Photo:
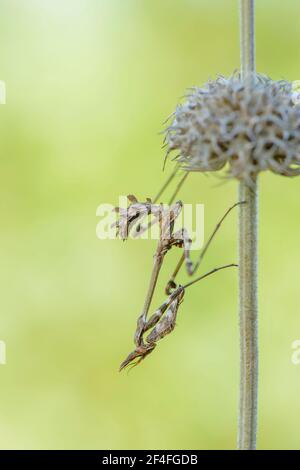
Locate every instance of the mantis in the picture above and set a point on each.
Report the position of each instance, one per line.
(150, 330)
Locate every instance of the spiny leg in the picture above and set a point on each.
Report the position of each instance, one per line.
(168, 322)
(142, 349)
(190, 267)
(157, 315)
(163, 325)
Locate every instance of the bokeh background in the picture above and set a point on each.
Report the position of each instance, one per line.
(89, 84)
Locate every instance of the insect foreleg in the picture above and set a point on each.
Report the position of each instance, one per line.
(190, 266)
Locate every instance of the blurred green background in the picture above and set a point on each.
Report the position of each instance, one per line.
(89, 84)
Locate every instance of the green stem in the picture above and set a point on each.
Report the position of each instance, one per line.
(247, 37)
(248, 266)
(248, 318)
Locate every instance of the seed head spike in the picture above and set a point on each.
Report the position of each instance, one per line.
(248, 129)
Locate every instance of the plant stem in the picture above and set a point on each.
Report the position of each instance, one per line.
(248, 265)
(247, 37)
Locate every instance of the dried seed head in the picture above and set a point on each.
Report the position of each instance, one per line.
(251, 128)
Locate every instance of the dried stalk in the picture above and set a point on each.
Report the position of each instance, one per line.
(248, 266)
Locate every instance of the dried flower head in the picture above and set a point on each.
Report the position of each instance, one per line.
(253, 127)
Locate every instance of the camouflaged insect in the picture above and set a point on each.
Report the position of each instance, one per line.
(163, 320)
